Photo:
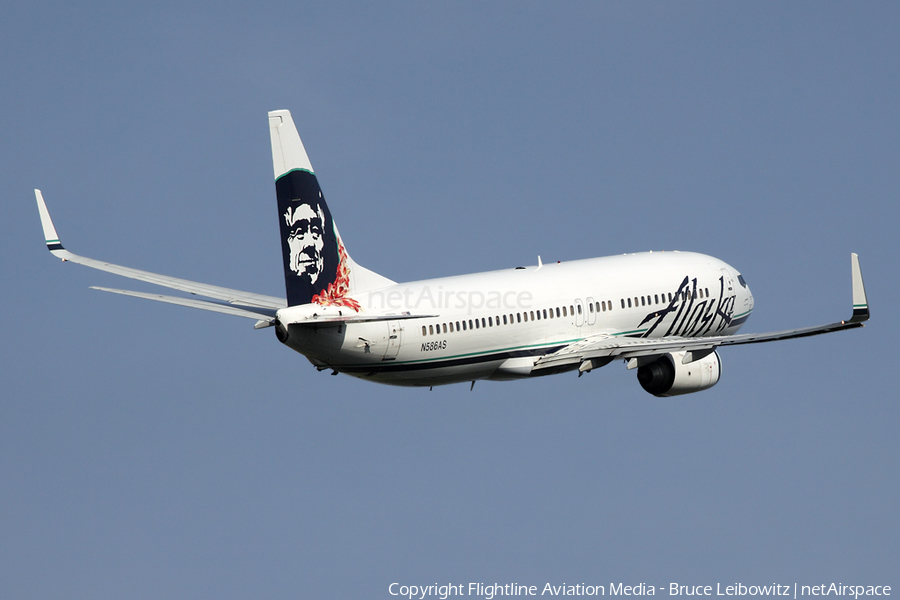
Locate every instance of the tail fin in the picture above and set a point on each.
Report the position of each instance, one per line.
(317, 268)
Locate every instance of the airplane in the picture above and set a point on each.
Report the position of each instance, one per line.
(664, 314)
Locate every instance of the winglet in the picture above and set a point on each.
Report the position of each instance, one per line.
(860, 304)
(50, 235)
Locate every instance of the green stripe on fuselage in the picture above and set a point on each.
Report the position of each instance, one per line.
(482, 353)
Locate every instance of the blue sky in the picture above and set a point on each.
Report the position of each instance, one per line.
(154, 451)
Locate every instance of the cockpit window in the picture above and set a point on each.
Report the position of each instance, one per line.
(741, 280)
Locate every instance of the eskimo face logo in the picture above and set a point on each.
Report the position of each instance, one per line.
(306, 240)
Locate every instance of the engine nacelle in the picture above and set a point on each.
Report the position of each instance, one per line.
(668, 376)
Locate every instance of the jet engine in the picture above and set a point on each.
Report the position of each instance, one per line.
(669, 376)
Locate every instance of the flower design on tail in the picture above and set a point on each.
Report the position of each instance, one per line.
(336, 294)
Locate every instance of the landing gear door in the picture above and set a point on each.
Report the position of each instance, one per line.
(393, 342)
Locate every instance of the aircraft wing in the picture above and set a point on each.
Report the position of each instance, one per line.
(596, 351)
(247, 304)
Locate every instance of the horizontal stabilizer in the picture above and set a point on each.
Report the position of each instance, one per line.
(250, 313)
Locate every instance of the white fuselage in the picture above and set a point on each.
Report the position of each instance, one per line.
(494, 325)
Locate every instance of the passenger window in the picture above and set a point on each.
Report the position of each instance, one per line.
(424, 331)
(579, 309)
(470, 323)
(591, 307)
(445, 327)
(532, 315)
(564, 311)
(670, 296)
(464, 325)
(504, 319)
(656, 299)
(482, 322)
(707, 292)
(642, 301)
(545, 313)
(623, 302)
(518, 317)
(457, 326)
(629, 303)
(557, 312)
(490, 322)
(571, 310)
(451, 326)
(431, 329)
